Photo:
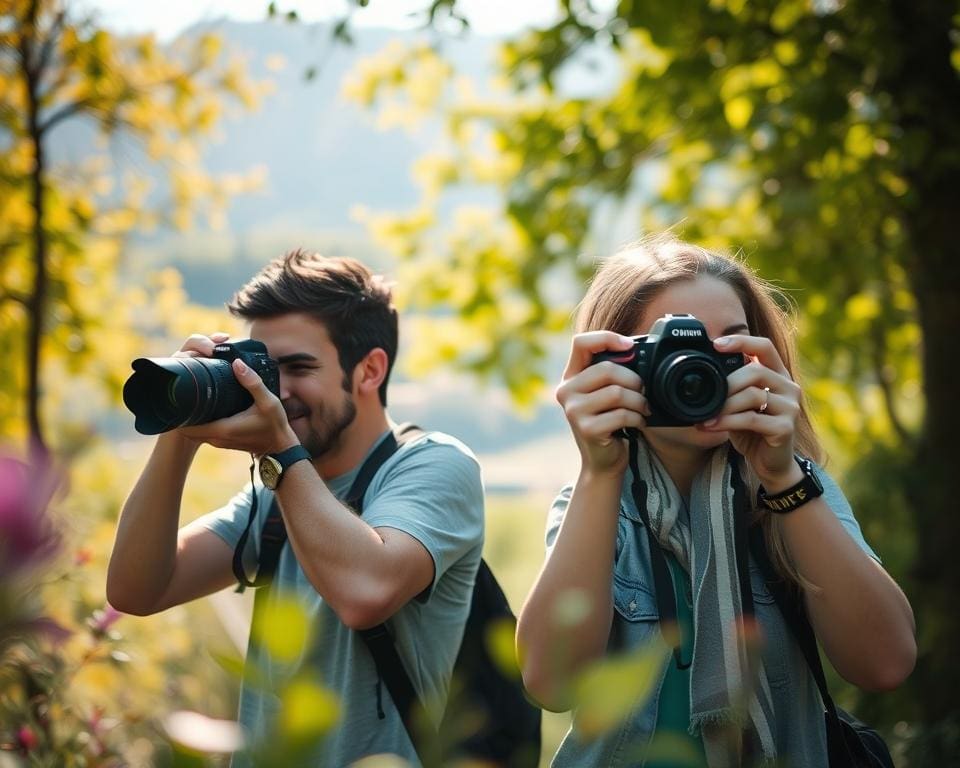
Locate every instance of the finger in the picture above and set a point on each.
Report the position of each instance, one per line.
(584, 406)
(598, 376)
(208, 432)
(198, 345)
(775, 429)
(586, 345)
(759, 347)
(756, 374)
(252, 382)
(762, 401)
(602, 426)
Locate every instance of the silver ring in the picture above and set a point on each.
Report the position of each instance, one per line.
(766, 400)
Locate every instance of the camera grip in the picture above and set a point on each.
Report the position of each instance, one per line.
(623, 357)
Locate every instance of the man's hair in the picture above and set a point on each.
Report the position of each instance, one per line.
(354, 305)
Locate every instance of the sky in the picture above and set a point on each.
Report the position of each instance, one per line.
(168, 17)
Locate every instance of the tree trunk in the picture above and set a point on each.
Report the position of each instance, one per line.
(30, 44)
(926, 89)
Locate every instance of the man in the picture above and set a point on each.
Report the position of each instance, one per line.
(409, 560)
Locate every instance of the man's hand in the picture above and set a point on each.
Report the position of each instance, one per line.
(262, 428)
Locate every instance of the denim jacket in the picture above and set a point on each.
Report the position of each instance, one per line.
(798, 728)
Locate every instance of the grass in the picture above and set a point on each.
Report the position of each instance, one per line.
(514, 548)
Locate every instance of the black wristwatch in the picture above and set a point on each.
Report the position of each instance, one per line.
(808, 489)
(273, 465)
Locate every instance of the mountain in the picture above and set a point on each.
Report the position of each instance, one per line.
(323, 156)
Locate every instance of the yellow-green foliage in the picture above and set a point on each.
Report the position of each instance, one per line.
(63, 222)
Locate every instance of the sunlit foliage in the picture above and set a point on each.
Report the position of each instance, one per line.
(63, 218)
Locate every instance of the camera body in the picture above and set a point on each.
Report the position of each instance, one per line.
(254, 354)
(164, 393)
(684, 377)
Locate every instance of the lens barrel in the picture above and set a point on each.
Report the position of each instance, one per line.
(164, 393)
(690, 387)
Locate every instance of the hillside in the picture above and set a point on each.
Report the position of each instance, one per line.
(323, 156)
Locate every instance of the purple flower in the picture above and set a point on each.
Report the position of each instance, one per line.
(103, 619)
(26, 536)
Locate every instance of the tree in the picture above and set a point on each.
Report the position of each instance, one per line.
(822, 137)
(61, 219)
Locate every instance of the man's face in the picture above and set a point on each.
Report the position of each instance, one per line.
(312, 391)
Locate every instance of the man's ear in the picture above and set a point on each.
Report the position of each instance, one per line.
(371, 371)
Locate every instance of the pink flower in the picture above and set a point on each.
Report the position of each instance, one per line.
(25, 533)
(27, 739)
(103, 619)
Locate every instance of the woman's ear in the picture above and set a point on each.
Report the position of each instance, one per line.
(371, 371)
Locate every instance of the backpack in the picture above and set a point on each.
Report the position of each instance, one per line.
(488, 717)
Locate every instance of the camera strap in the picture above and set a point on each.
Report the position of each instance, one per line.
(273, 536)
(662, 581)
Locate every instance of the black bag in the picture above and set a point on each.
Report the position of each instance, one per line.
(850, 743)
(488, 717)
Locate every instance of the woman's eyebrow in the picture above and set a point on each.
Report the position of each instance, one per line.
(738, 328)
(296, 357)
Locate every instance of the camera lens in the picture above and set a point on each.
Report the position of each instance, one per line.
(168, 392)
(690, 387)
(694, 389)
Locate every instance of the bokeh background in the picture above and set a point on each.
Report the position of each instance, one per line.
(484, 156)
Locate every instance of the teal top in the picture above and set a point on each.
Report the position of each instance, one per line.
(679, 749)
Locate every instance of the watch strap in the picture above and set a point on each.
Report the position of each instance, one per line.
(280, 461)
(808, 489)
(290, 455)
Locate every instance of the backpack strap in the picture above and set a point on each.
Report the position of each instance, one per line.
(378, 639)
(273, 535)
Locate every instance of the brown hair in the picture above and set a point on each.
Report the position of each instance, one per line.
(354, 305)
(623, 288)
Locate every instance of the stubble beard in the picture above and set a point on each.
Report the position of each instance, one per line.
(327, 437)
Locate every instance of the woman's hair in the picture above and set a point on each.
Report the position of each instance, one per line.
(354, 305)
(626, 284)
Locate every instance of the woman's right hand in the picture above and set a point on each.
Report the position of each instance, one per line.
(599, 400)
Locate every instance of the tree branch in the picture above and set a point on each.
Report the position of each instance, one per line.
(49, 43)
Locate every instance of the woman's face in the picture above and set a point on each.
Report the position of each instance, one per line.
(715, 304)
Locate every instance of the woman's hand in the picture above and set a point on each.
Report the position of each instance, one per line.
(761, 411)
(599, 400)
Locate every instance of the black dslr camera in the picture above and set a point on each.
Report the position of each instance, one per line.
(169, 392)
(684, 377)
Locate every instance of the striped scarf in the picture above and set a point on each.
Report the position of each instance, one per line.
(728, 686)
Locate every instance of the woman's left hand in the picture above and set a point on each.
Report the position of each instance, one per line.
(761, 410)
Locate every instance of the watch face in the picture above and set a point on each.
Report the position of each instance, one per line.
(270, 471)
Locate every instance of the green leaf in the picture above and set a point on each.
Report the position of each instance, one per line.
(610, 690)
(283, 628)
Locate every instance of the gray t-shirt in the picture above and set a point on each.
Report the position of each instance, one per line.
(431, 489)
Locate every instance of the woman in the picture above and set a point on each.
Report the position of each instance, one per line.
(711, 687)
